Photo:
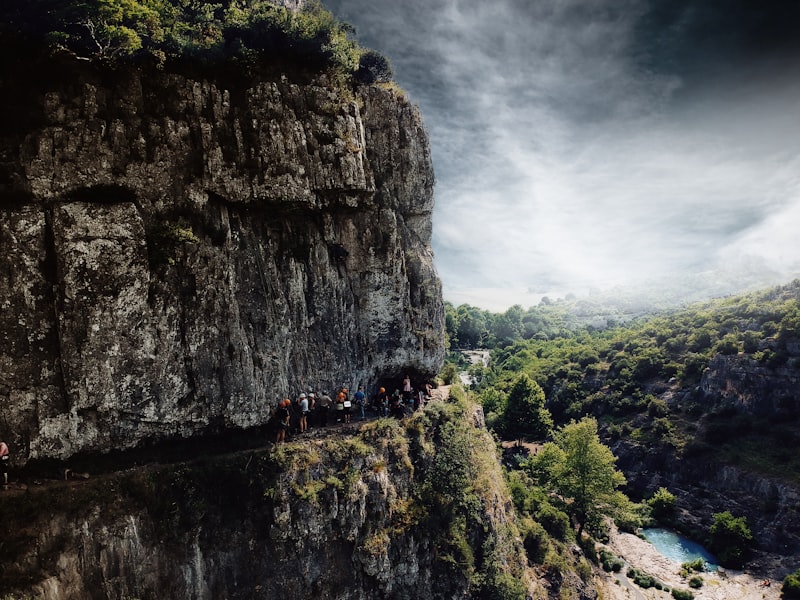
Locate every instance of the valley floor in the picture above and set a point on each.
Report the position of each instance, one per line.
(722, 585)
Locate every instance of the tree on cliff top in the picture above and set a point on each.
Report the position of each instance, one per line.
(238, 31)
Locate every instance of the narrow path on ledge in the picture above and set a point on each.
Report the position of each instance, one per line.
(77, 471)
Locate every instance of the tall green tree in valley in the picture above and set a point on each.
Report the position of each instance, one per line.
(580, 469)
(471, 326)
(525, 414)
(730, 539)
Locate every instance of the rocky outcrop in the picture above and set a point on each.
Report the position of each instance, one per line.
(168, 253)
(744, 384)
(704, 487)
(342, 517)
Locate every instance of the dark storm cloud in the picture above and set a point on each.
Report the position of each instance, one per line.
(715, 38)
(592, 143)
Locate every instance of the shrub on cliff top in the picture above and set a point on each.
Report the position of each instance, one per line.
(239, 31)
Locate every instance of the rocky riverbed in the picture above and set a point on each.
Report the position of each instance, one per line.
(721, 585)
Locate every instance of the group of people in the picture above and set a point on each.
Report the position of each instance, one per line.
(317, 410)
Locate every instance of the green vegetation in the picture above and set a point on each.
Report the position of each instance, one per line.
(791, 585)
(610, 562)
(247, 33)
(689, 568)
(624, 374)
(580, 469)
(164, 242)
(662, 505)
(730, 539)
(525, 414)
(682, 594)
(643, 580)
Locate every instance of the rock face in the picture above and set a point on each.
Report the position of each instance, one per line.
(752, 390)
(346, 517)
(745, 385)
(170, 253)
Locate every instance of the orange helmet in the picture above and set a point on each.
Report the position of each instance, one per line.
(382, 390)
(341, 395)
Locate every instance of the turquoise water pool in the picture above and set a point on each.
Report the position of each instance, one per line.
(678, 548)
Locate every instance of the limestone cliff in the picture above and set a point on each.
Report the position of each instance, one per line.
(168, 261)
(739, 382)
(384, 512)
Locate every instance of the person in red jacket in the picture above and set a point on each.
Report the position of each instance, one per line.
(5, 456)
(282, 415)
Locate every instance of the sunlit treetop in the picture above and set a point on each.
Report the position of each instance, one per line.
(240, 31)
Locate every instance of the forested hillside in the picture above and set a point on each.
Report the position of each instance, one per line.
(688, 379)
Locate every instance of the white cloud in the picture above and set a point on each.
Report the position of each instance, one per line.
(564, 164)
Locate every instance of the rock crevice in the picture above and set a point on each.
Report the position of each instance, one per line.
(168, 265)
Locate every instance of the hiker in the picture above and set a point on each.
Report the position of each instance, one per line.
(407, 388)
(346, 405)
(360, 399)
(384, 396)
(5, 456)
(312, 409)
(323, 406)
(381, 402)
(396, 405)
(282, 415)
(303, 405)
(339, 407)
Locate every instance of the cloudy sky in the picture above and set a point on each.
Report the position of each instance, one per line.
(582, 145)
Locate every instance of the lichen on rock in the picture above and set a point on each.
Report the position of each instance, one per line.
(114, 333)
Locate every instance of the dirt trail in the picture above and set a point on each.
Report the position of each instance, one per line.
(259, 439)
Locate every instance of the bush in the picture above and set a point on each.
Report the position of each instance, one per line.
(682, 594)
(555, 522)
(696, 566)
(535, 541)
(730, 539)
(791, 585)
(696, 582)
(657, 408)
(643, 580)
(728, 345)
(449, 374)
(500, 586)
(373, 67)
(610, 562)
(662, 504)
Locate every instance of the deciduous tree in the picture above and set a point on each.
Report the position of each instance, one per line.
(525, 414)
(581, 470)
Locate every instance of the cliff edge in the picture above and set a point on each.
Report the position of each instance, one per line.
(177, 253)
